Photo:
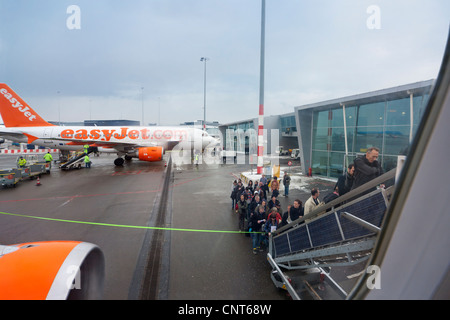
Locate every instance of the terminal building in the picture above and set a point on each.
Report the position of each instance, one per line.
(212, 127)
(330, 134)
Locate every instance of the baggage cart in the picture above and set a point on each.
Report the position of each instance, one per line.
(8, 178)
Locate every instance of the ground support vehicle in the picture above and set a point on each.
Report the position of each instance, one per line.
(8, 178)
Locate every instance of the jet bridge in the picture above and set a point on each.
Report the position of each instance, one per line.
(322, 255)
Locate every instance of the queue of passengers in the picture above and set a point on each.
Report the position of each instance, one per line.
(263, 217)
(260, 211)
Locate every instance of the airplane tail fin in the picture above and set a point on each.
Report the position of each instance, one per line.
(15, 112)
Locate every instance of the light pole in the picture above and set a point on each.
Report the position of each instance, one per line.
(261, 93)
(204, 59)
(142, 88)
(59, 109)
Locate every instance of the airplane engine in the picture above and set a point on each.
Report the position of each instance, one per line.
(150, 154)
(51, 270)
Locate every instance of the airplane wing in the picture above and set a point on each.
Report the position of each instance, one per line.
(13, 135)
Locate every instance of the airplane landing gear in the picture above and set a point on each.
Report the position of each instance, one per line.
(119, 162)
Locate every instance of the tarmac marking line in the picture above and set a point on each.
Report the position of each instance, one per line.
(99, 194)
(124, 225)
(82, 196)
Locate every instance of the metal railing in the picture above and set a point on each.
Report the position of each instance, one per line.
(340, 233)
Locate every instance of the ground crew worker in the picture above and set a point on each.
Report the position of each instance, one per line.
(22, 162)
(48, 157)
(86, 148)
(196, 158)
(87, 161)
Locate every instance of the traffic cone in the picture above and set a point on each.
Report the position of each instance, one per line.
(38, 182)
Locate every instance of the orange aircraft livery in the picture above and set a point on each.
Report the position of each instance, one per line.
(24, 125)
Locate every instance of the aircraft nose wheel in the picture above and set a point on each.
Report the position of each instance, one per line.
(119, 162)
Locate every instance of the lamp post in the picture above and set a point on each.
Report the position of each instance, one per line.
(142, 88)
(261, 93)
(204, 59)
(59, 108)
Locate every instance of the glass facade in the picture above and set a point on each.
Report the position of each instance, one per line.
(383, 124)
(287, 125)
(238, 137)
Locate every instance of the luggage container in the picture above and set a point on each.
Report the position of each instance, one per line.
(38, 168)
(8, 178)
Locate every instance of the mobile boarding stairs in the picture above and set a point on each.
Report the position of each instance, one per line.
(322, 255)
(75, 162)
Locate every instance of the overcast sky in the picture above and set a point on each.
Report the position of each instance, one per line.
(315, 51)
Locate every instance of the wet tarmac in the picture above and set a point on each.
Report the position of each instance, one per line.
(219, 265)
(102, 194)
(190, 263)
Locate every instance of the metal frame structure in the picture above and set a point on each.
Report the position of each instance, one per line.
(341, 233)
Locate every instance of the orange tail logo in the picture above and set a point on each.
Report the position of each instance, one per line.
(15, 112)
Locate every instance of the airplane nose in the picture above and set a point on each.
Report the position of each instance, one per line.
(213, 141)
(209, 141)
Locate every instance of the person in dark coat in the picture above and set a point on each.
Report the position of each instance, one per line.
(367, 168)
(257, 220)
(253, 204)
(293, 212)
(238, 190)
(332, 196)
(345, 181)
(233, 194)
(273, 202)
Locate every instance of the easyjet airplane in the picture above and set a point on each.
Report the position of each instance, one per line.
(24, 125)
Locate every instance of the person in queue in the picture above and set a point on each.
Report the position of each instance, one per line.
(345, 181)
(313, 202)
(257, 220)
(256, 201)
(272, 224)
(273, 202)
(367, 168)
(275, 186)
(293, 212)
(233, 194)
(242, 211)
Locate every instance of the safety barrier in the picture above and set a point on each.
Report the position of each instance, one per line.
(23, 151)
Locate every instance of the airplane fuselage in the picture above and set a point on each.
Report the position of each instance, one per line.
(73, 138)
(23, 124)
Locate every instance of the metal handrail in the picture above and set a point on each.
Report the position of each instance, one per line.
(324, 214)
(348, 196)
